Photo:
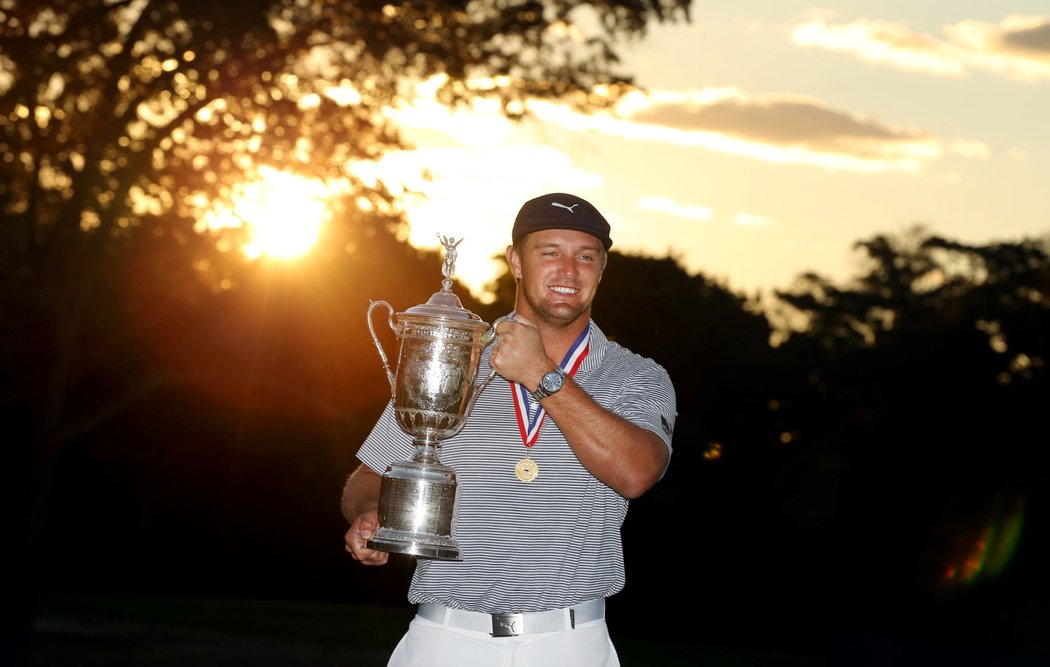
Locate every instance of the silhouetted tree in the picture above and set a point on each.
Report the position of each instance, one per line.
(119, 119)
(241, 456)
(913, 404)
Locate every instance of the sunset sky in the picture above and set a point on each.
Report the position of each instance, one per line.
(773, 137)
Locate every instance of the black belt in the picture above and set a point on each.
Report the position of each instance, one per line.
(514, 624)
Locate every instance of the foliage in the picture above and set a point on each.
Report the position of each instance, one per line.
(913, 399)
(120, 122)
(130, 116)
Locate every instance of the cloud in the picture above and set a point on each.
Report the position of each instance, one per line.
(751, 220)
(787, 129)
(1018, 47)
(471, 192)
(775, 128)
(670, 207)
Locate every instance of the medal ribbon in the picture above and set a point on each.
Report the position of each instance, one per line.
(529, 412)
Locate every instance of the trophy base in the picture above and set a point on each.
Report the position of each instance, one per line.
(436, 547)
(416, 503)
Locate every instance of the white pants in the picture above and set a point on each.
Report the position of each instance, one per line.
(430, 644)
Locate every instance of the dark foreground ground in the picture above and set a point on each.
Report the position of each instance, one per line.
(131, 631)
(140, 631)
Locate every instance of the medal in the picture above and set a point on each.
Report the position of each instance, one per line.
(530, 414)
(526, 470)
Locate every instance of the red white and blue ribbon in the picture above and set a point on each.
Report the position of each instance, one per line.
(529, 412)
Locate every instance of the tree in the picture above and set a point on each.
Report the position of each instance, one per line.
(914, 394)
(121, 120)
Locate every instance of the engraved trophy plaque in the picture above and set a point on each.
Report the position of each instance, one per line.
(433, 391)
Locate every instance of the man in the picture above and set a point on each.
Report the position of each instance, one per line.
(572, 427)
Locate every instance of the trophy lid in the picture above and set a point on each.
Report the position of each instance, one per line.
(444, 303)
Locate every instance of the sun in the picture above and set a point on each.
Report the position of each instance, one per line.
(281, 213)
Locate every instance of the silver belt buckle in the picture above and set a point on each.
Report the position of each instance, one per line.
(508, 625)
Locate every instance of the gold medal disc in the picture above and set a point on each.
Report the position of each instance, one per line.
(526, 470)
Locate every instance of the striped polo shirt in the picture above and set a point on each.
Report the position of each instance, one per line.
(545, 544)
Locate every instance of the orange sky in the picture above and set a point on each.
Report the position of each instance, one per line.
(773, 136)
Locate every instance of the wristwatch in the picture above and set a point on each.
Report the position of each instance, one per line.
(551, 383)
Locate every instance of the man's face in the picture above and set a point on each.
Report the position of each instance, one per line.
(558, 271)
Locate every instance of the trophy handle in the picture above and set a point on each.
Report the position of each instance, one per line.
(490, 335)
(487, 339)
(379, 346)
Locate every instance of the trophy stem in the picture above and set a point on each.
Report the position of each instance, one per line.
(426, 451)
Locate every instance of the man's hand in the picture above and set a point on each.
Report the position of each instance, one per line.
(518, 355)
(357, 540)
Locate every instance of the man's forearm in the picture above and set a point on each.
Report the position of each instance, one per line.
(361, 493)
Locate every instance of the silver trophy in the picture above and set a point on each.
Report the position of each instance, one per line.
(433, 391)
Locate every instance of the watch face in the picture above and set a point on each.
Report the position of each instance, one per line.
(552, 381)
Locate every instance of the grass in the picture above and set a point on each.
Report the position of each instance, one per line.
(143, 631)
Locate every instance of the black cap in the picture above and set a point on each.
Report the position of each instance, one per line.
(561, 211)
